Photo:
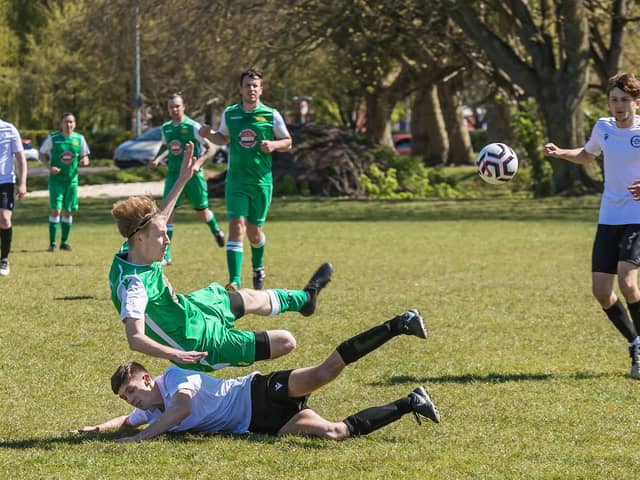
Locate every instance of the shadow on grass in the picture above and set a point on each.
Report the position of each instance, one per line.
(493, 378)
(183, 437)
(76, 297)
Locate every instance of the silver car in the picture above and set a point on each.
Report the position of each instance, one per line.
(148, 146)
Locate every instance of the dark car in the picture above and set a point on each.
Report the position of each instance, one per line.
(402, 143)
(147, 146)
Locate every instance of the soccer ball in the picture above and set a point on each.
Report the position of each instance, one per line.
(497, 163)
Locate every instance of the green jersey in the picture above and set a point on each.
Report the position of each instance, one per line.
(176, 137)
(172, 319)
(248, 165)
(64, 153)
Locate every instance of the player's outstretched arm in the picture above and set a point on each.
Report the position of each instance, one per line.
(113, 424)
(573, 155)
(179, 410)
(189, 166)
(21, 163)
(217, 138)
(139, 342)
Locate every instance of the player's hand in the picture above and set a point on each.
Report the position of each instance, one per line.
(84, 162)
(54, 170)
(204, 131)
(152, 165)
(87, 429)
(189, 357)
(266, 146)
(551, 150)
(21, 191)
(634, 190)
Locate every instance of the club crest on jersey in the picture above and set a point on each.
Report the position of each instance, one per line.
(67, 157)
(260, 118)
(247, 138)
(635, 141)
(175, 147)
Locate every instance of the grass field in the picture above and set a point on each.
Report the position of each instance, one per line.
(530, 377)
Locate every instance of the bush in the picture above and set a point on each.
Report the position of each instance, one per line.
(394, 176)
(102, 143)
(528, 131)
(479, 138)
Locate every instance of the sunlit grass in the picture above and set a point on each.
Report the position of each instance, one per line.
(530, 377)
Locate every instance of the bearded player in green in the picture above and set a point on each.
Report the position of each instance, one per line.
(253, 131)
(197, 330)
(61, 153)
(175, 135)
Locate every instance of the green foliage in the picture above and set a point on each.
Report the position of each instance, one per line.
(529, 135)
(405, 177)
(102, 143)
(285, 187)
(479, 138)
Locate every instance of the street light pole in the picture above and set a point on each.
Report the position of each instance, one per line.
(138, 98)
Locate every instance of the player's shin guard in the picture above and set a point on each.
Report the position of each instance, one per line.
(212, 223)
(5, 242)
(54, 223)
(257, 253)
(66, 222)
(371, 419)
(358, 346)
(620, 319)
(286, 300)
(234, 261)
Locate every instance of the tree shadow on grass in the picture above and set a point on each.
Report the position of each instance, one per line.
(493, 378)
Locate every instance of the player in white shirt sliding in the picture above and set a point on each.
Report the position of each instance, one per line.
(616, 249)
(273, 404)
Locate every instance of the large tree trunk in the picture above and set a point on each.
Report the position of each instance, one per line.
(498, 118)
(461, 150)
(429, 136)
(378, 126)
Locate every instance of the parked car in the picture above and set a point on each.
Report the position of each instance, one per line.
(30, 152)
(402, 143)
(147, 146)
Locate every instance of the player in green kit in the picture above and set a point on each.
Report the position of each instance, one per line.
(253, 131)
(175, 134)
(197, 330)
(61, 153)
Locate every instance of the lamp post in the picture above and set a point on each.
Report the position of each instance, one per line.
(138, 98)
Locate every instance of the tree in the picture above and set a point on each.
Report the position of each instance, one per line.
(547, 55)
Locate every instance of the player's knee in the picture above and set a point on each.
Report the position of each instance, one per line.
(629, 289)
(281, 343)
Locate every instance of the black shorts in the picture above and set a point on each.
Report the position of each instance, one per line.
(7, 195)
(613, 244)
(271, 406)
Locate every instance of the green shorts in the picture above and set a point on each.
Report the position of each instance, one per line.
(195, 190)
(224, 344)
(249, 201)
(63, 195)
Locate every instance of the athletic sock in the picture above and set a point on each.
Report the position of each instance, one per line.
(234, 261)
(358, 346)
(634, 311)
(286, 300)
(213, 225)
(620, 319)
(257, 253)
(5, 242)
(66, 228)
(371, 419)
(54, 223)
(167, 254)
